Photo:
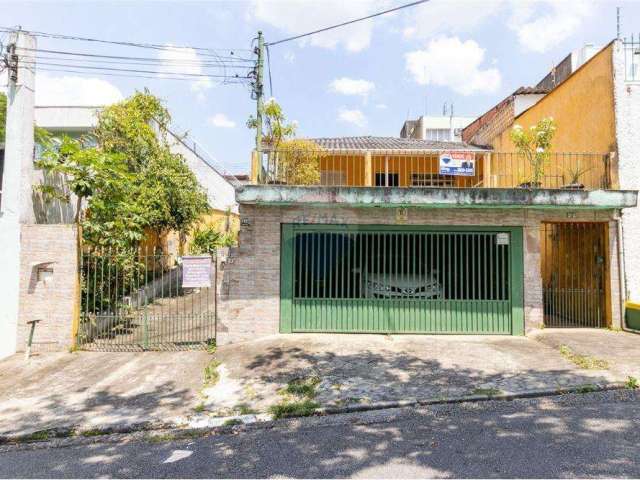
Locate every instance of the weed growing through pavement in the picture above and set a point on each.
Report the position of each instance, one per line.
(583, 361)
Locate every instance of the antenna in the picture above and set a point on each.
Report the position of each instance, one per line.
(444, 109)
(618, 23)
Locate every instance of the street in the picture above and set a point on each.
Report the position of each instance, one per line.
(588, 435)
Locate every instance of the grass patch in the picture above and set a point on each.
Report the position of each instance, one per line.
(211, 346)
(302, 387)
(39, 436)
(211, 375)
(489, 392)
(583, 361)
(631, 383)
(244, 409)
(586, 388)
(232, 422)
(94, 432)
(199, 408)
(300, 408)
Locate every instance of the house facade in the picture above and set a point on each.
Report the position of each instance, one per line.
(594, 101)
(396, 235)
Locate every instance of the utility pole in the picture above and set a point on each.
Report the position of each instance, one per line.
(259, 91)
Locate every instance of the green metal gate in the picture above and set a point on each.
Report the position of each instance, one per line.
(401, 279)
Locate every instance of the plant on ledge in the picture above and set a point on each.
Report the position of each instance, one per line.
(535, 146)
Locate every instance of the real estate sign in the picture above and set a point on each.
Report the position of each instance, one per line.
(458, 164)
(196, 271)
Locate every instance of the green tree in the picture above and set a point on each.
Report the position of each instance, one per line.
(299, 162)
(535, 145)
(3, 116)
(276, 128)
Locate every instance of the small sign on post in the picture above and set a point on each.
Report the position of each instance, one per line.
(196, 271)
(461, 164)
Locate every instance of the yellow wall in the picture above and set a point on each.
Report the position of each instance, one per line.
(582, 107)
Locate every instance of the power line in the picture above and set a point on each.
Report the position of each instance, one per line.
(269, 69)
(413, 4)
(228, 80)
(89, 67)
(153, 46)
(120, 57)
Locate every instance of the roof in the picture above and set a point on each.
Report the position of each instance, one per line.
(537, 90)
(366, 143)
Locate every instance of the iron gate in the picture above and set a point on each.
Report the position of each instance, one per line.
(401, 279)
(132, 300)
(574, 273)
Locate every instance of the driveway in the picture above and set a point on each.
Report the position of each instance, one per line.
(364, 369)
(53, 390)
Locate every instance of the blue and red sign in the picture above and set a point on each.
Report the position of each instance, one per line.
(458, 164)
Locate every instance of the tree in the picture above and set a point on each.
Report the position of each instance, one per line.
(3, 116)
(131, 180)
(299, 162)
(277, 127)
(535, 145)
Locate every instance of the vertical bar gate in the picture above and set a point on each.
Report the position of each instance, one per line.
(132, 300)
(401, 280)
(574, 274)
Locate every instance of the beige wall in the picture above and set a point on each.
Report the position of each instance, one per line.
(53, 301)
(249, 301)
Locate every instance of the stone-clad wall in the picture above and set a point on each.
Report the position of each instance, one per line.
(53, 300)
(249, 288)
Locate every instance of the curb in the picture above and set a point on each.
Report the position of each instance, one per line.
(218, 425)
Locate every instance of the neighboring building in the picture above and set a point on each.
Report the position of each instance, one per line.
(442, 129)
(594, 99)
(399, 235)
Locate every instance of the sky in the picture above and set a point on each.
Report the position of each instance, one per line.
(364, 79)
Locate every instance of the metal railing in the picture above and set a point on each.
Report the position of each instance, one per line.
(574, 171)
(632, 58)
(134, 300)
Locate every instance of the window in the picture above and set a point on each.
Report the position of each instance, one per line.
(431, 180)
(393, 180)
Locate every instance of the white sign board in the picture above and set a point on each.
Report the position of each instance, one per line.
(196, 271)
(458, 164)
(502, 239)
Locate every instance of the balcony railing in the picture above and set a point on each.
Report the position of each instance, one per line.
(632, 59)
(575, 171)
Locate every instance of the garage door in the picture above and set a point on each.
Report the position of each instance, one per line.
(397, 279)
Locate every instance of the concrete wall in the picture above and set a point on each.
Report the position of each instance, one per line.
(627, 119)
(582, 107)
(68, 119)
(249, 280)
(52, 300)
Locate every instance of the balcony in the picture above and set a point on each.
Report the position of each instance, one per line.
(467, 169)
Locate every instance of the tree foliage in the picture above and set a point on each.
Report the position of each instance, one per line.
(3, 116)
(299, 162)
(130, 180)
(535, 145)
(276, 127)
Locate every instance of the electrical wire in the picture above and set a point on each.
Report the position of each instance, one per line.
(296, 37)
(153, 46)
(269, 70)
(80, 72)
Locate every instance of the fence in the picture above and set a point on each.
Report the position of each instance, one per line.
(632, 58)
(135, 300)
(409, 169)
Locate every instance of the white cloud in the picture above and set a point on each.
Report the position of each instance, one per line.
(355, 117)
(449, 62)
(445, 17)
(352, 86)
(289, 56)
(185, 60)
(75, 91)
(381, 106)
(542, 25)
(294, 17)
(220, 120)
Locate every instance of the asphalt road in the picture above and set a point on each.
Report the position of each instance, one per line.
(594, 435)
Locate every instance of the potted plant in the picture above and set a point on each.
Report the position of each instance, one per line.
(574, 175)
(535, 146)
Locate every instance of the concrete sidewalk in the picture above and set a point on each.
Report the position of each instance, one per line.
(365, 369)
(103, 390)
(56, 390)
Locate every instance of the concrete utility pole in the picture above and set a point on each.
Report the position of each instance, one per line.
(16, 207)
(259, 91)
